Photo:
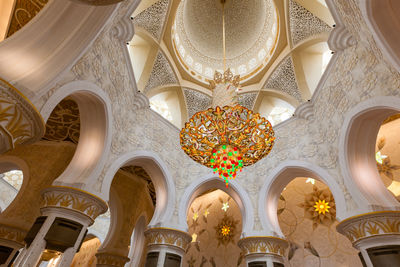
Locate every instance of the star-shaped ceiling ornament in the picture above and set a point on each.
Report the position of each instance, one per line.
(225, 206)
(194, 238)
(206, 212)
(195, 216)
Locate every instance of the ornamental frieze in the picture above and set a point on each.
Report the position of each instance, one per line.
(74, 199)
(263, 244)
(369, 225)
(165, 236)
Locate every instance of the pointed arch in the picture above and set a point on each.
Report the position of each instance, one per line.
(235, 190)
(276, 181)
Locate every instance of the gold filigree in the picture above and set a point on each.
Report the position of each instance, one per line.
(225, 237)
(64, 122)
(23, 12)
(165, 236)
(263, 244)
(369, 225)
(70, 198)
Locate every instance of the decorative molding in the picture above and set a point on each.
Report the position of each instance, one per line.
(11, 234)
(303, 23)
(196, 101)
(264, 245)
(152, 19)
(162, 73)
(141, 101)
(107, 259)
(74, 199)
(305, 111)
(283, 79)
(98, 2)
(369, 225)
(124, 30)
(20, 122)
(166, 236)
(340, 39)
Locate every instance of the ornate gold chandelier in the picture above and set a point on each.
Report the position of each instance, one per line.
(227, 136)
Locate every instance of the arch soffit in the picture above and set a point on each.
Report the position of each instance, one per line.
(95, 134)
(274, 93)
(235, 190)
(380, 21)
(352, 144)
(282, 175)
(160, 175)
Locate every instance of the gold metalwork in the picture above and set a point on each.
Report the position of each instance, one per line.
(237, 126)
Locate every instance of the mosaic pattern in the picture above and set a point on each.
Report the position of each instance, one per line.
(303, 23)
(152, 19)
(196, 101)
(284, 79)
(162, 73)
(247, 100)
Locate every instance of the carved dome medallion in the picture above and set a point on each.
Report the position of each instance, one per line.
(251, 36)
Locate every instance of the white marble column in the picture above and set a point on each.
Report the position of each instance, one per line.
(67, 203)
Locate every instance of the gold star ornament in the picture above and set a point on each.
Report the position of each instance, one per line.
(225, 206)
(321, 206)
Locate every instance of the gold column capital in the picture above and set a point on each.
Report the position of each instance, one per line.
(369, 225)
(110, 259)
(12, 236)
(74, 199)
(167, 236)
(20, 121)
(263, 245)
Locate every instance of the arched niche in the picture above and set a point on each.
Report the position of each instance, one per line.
(357, 153)
(95, 131)
(160, 176)
(275, 106)
(282, 175)
(10, 187)
(234, 190)
(169, 102)
(143, 49)
(383, 21)
(310, 59)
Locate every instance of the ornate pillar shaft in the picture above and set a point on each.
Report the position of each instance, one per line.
(66, 214)
(376, 235)
(264, 249)
(170, 244)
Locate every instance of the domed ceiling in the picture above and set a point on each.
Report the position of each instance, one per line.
(251, 35)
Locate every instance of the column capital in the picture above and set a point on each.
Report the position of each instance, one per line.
(168, 237)
(11, 236)
(267, 245)
(21, 121)
(363, 229)
(73, 199)
(110, 260)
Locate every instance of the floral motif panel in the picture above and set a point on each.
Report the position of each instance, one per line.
(307, 217)
(215, 223)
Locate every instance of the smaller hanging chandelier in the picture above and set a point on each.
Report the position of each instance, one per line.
(227, 136)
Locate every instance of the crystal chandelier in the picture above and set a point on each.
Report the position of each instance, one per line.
(227, 136)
